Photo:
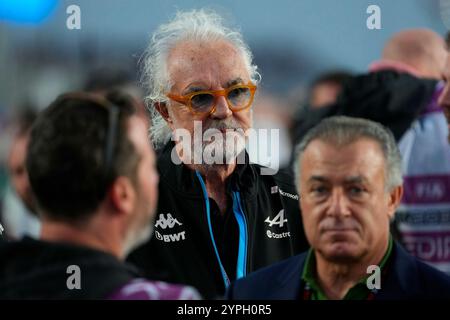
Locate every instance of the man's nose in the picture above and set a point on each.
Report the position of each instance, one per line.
(222, 110)
(339, 205)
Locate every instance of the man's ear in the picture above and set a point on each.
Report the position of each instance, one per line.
(395, 196)
(162, 109)
(123, 195)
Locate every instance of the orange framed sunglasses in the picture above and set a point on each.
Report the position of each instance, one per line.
(239, 97)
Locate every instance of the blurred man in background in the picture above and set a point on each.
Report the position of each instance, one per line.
(323, 93)
(419, 52)
(93, 173)
(422, 221)
(326, 88)
(19, 213)
(392, 92)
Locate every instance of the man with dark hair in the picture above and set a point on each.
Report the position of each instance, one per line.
(102, 80)
(326, 88)
(93, 174)
(323, 93)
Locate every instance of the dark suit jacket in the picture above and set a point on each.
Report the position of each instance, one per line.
(406, 278)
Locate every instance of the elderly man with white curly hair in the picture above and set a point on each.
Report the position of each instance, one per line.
(219, 216)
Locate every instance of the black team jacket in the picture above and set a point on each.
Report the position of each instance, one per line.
(193, 244)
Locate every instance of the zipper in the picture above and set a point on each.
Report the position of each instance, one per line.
(226, 279)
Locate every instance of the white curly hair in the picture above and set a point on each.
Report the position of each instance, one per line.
(195, 25)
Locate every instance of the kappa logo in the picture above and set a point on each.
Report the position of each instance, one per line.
(169, 222)
(278, 220)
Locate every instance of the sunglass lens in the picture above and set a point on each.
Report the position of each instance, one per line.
(202, 102)
(239, 97)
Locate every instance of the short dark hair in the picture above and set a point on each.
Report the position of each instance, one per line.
(334, 77)
(23, 120)
(104, 79)
(66, 158)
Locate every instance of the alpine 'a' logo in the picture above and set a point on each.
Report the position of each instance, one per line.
(170, 221)
(278, 220)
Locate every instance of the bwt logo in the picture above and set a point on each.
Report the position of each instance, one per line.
(171, 237)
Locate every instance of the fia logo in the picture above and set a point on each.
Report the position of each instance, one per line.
(169, 222)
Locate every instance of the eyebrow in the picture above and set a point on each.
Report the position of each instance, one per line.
(234, 82)
(352, 179)
(230, 83)
(317, 178)
(192, 89)
(355, 179)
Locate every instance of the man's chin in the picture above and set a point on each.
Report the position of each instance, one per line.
(341, 253)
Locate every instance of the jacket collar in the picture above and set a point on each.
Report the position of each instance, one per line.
(402, 269)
